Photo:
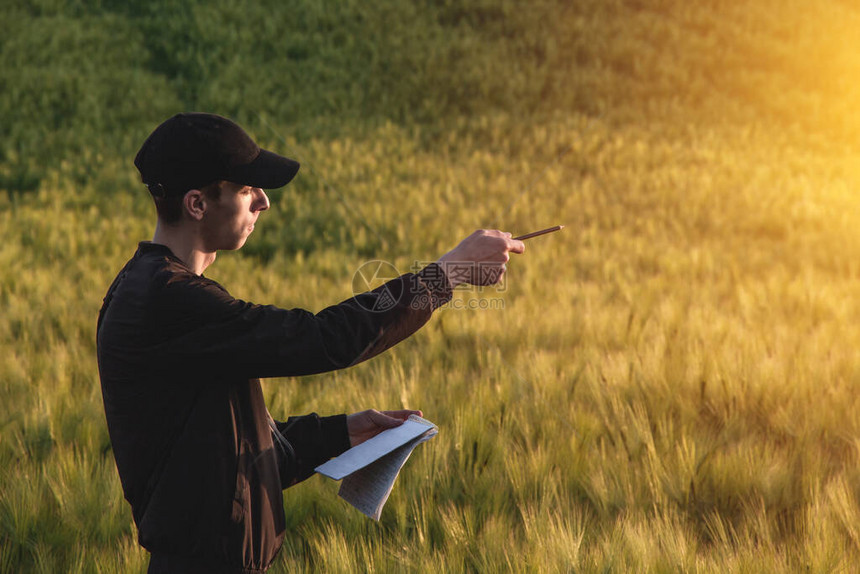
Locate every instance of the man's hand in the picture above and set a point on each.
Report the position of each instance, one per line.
(480, 258)
(367, 424)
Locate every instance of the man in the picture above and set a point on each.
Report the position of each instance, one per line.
(201, 461)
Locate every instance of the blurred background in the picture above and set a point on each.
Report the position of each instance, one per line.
(670, 384)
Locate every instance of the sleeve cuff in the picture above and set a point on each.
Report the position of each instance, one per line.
(436, 286)
(315, 439)
(335, 435)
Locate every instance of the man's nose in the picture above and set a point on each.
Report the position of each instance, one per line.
(261, 201)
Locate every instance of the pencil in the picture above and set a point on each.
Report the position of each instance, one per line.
(541, 232)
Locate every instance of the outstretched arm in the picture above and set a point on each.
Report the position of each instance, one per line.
(205, 327)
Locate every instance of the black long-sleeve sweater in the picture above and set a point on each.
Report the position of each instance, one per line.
(180, 362)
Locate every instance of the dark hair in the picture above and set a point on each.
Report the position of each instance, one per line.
(169, 208)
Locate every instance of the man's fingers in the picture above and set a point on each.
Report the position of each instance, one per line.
(480, 258)
(507, 243)
(389, 419)
(387, 422)
(516, 246)
(403, 414)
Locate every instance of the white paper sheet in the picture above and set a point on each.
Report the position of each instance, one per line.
(370, 469)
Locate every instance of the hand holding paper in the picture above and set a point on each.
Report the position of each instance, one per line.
(370, 469)
(367, 424)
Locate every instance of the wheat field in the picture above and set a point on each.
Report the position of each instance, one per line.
(670, 384)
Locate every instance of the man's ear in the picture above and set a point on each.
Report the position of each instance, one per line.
(194, 203)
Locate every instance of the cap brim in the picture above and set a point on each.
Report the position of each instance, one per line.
(268, 171)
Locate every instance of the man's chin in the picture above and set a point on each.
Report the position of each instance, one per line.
(233, 246)
(234, 241)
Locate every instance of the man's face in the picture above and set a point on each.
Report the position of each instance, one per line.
(229, 220)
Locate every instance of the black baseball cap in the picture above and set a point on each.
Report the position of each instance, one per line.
(192, 150)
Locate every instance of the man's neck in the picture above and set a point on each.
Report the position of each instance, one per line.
(185, 244)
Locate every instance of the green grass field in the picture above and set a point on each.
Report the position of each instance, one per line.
(670, 384)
